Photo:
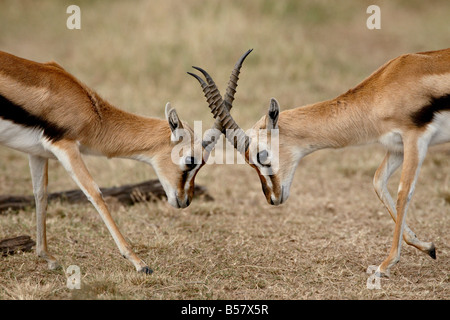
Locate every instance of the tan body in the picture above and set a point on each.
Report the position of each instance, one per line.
(404, 105)
(383, 103)
(48, 113)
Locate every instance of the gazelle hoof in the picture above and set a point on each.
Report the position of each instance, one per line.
(432, 252)
(54, 265)
(382, 274)
(146, 270)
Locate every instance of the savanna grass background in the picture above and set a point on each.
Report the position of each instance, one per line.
(316, 246)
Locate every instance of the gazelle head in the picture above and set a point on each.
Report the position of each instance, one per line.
(176, 163)
(265, 148)
(272, 155)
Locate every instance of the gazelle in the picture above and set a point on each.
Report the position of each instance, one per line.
(49, 114)
(404, 105)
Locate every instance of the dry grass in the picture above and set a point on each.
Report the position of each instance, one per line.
(317, 245)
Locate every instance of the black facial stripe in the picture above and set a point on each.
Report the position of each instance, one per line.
(15, 113)
(274, 181)
(266, 190)
(426, 114)
(184, 177)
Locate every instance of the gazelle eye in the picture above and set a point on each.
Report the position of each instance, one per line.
(189, 163)
(263, 158)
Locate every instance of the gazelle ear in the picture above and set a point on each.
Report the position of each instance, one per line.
(167, 109)
(272, 115)
(174, 122)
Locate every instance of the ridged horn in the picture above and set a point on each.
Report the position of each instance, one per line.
(220, 108)
(216, 130)
(234, 77)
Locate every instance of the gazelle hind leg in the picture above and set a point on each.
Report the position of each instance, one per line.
(415, 149)
(39, 178)
(390, 164)
(69, 155)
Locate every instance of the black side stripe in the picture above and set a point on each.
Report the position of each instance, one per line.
(426, 114)
(15, 113)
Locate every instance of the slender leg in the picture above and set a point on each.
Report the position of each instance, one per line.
(414, 152)
(69, 155)
(389, 165)
(39, 177)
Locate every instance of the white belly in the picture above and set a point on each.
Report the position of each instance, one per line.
(23, 139)
(437, 132)
(442, 125)
(392, 141)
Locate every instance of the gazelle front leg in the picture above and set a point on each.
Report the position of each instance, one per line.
(415, 149)
(39, 178)
(69, 155)
(389, 165)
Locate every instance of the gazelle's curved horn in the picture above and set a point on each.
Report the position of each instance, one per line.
(212, 93)
(234, 77)
(221, 108)
(216, 130)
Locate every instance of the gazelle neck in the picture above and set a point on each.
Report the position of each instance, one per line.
(123, 134)
(336, 123)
